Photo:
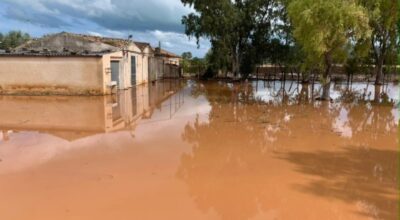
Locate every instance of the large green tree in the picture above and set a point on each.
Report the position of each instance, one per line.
(382, 20)
(13, 39)
(236, 28)
(327, 30)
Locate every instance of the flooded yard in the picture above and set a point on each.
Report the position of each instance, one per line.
(202, 150)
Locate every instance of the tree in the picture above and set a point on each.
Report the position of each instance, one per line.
(235, 28)
(198, 66)
(218, 60)
(398, 33)
(186, 58)
(326, 31)
(13, 39)
(187, 55)
(382, 20)
(1, 40)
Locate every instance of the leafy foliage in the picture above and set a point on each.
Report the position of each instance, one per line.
(186, 57)
(383, 17)
(328, 30)
(237, 29)
(193, 65)
(13, 39)
(327, 27)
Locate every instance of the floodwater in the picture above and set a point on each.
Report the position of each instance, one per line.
(202, 150)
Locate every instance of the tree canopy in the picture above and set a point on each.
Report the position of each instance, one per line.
(236, 29)
(308, 35)
(13, 39)
(327, 30)
(383, 18)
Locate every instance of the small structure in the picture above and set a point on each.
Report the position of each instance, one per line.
(168, 57)
(170, 63)
(75, 64)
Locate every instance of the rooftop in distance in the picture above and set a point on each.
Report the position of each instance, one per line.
(71, 44)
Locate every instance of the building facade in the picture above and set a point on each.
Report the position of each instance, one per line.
(74, 64)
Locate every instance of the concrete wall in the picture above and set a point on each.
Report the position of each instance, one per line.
(142, 66)
(71, 75)
(106, 71)
(52, 75)
(174, 61)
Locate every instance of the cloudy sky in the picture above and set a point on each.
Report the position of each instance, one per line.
(147, 20)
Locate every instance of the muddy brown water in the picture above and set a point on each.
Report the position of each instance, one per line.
(202, 150)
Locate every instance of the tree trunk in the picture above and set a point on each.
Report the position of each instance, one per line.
(377, 95)
(379, 71)
(312, 89)
(326, 85)
(257, 73)
(348, 79)
(298, 77)
(235, 64)
(235, 68)
(304, 93)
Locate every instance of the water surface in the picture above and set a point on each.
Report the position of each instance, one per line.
(202, 150)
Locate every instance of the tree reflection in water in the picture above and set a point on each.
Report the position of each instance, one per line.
(368, 177)
(229, 168)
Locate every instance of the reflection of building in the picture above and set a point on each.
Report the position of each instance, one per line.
(74, 64)
(73, 118)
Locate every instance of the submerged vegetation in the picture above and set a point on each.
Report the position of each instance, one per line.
(305, 36)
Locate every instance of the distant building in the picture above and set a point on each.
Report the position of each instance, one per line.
(74, 64)
(167, 56)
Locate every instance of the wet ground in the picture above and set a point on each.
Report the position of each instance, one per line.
(202, 150)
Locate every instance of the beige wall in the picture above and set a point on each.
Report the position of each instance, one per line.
(175, 61)
(51, 75)
(125, 67)
(106, 70)
(141, 65)
(71, 75)
(142, 68)
(143, 72)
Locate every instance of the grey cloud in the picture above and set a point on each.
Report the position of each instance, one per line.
(148, 20)
(175, 42)
(136, 15)
(35, 18)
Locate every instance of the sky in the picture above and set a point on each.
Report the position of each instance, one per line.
(147, 20)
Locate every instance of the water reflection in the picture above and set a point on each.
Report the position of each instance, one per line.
(289, 92)
(194, 150)
(73, 118)
(367, 177)
(36, 129)
(349, 145)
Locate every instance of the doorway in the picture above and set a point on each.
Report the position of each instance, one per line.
(115, 71)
